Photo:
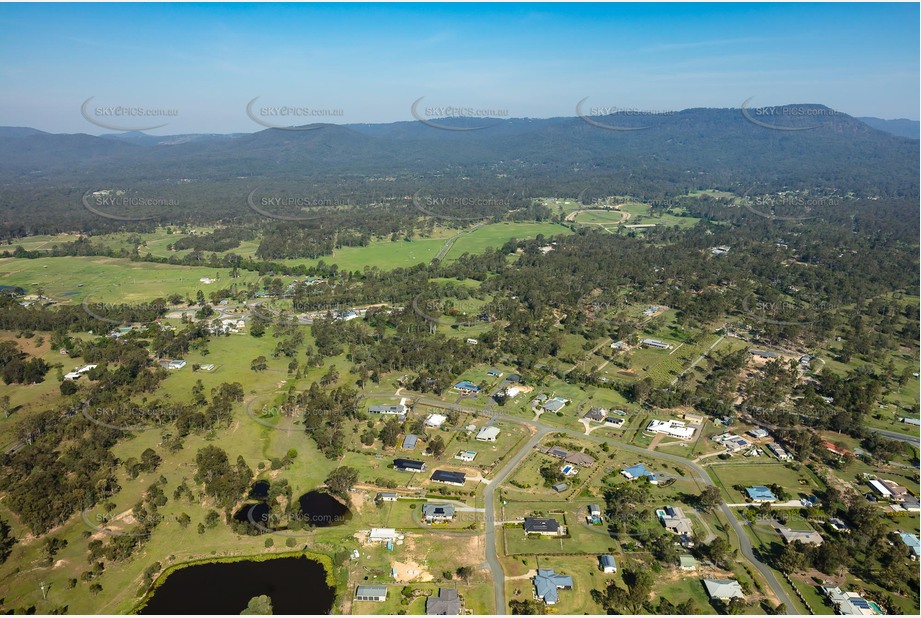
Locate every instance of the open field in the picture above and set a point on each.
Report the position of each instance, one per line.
(746, 474)
(111, 280)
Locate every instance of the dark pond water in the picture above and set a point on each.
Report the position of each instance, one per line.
(258, 512)
(259, 490)
(295, 585)
(322, 510)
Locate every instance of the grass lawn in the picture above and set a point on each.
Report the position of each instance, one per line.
(760, 473)
(113, 280)
(497, 234)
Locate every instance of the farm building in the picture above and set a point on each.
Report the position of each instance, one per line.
(382, 535)
(435, 420)
(409, 442)
(655, 343)
(371, 593)
(608, 564)
(386, 496)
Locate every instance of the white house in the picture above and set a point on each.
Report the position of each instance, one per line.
(488, 434)
(676, 429)
(435, 420)
(382, 535)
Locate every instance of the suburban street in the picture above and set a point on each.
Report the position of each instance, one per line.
(542, 429)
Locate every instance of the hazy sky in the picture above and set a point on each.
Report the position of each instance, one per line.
(372, 61)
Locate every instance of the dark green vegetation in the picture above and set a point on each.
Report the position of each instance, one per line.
(836, 279)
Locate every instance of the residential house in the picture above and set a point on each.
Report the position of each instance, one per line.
(554, 405)
(409, 465)
(807, 537)
(547, 583)
(594, 514)
(764, 354)
(723, 589)
(371, 593)
(386, 496)
(449, 478)
(437, 513)
(655, 343)
(445, 603)
(607, 563)
(676, 429)
(638, 471)
(467, 387)
(466, 456)
(488, 434)
(911, 541)
(850, 603)
(898, 492)
(779, 452)
(675, 521)
(758, 433)
(760, 493)
(596, 414)
(395, 410)
(544, 526)
(838, 525)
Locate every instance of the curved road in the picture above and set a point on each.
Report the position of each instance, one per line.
(543, 429)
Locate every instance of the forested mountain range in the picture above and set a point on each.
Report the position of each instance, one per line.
(665, 155)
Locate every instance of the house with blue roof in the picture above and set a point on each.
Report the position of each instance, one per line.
(911, 541)
(760, 493)
(467, 387)
(639, 471)
(547, 583)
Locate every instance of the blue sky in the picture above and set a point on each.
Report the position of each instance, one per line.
(371, 61)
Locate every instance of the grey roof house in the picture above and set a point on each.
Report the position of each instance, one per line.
(547, 583)
(445, 603)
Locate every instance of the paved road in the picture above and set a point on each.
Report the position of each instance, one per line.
(450, 242)
(893, 435)
(543, 429)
